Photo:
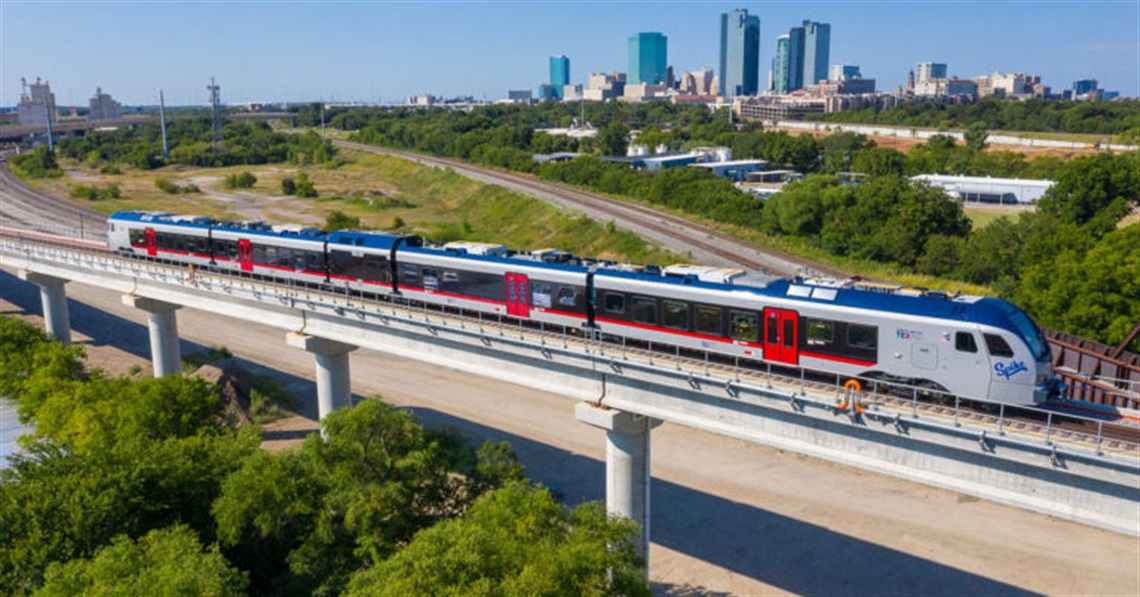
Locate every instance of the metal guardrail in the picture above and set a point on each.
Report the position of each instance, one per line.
(1093, 374)
(797, 390)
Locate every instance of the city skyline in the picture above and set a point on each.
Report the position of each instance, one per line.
(305, 51)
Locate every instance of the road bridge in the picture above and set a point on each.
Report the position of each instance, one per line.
(15, 133)
(1083, 476)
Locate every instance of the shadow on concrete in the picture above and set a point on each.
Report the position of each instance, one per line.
(796, 556)
(793, 555)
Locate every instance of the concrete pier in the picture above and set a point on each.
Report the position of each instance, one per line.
(627, 464)
(53, 297)
(165, 354)
(334, 390)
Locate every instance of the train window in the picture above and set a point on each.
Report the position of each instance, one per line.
(540, 295)
(567, 297)
(964, 342)
(258, 253)
(284, 256)
(675, 315)
(820, 332)
(411, 272)
(708, 320)
(742, 326)
(431, 278)
(997, 346)
(862, 336)
(138, 237)
(644, 310)
(312, 260)
(270, 256)
(450, 282)
(615, 303)
(773, 328)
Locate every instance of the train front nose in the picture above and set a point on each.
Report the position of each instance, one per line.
(1047, 386)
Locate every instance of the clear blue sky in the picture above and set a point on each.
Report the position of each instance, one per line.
(275, 51)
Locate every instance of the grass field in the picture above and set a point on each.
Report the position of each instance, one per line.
(383, 192)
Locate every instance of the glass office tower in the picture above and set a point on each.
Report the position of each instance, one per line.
(647, 59)
(559, 74)
(739, 54)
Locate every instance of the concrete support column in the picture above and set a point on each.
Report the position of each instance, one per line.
(162, 322)
(627, 465)
(334, 389)
(53, 298)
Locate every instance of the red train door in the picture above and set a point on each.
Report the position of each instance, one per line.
(151, 243)
(245, 255)
(781, 336)
(518, 295)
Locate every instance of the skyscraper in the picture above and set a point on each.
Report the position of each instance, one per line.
(929, 70)
(559, 74)
(788, 65)
(647, 59)
(817, 51)
(739, 54)
(780, 64)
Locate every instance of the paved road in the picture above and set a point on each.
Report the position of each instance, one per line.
(729, 517)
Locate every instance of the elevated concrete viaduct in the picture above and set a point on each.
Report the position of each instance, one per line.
(627, 392)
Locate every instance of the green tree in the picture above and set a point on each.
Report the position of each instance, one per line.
(975, 136)
(514, 541)
(288, 186)
(350, 499)
(40, 163)
(1098, 190)
(170, 561)
(613, 139)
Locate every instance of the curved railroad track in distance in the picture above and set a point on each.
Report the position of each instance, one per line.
(674, 232)
(24, 206)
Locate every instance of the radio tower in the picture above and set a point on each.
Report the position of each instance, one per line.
(215, 125)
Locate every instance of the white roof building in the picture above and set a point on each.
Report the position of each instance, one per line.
(988, 190)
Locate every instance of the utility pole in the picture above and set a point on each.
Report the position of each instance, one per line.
(51, 139)
(162, 117)
(215, 129)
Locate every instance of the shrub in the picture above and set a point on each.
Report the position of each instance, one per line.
(288, 186)
(305, 186)
(110, 170)
(166, 186)
(338, 220)
(244, 180)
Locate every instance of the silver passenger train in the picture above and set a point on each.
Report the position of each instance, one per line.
(969, 346)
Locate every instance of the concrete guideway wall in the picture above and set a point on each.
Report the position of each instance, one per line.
(996, 138)
(1100, 490)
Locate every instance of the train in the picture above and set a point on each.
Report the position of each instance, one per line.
(973, 347)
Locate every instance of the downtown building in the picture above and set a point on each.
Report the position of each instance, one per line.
(559, 75)
(648, 59)
(739, 54)
(802, 57)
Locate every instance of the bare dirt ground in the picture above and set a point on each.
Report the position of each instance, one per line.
(729, 517)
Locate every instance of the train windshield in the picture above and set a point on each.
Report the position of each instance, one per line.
(1027, 329)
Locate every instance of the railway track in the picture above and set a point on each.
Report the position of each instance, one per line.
(681, 233)
(24, 206)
